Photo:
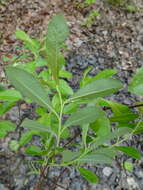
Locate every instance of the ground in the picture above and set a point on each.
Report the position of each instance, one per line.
(115, 40)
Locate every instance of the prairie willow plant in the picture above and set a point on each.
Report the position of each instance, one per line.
(59, 108)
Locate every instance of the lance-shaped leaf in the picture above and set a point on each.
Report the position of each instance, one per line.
(69, 155)
(35, 150)
(57, 31)
(27, 137)
(34, 125)
(30, 43)
(136, 85)
(84, 116)
(122, 113)
(130, 151)
(101, 126)
(20, 34)
(96, 159)
(5, 127)
(110, 152)
(10, 95)
(6, 106)
(88, 175)
(56, 35)
(98, 88)
(107, 73)
(28, 86)
(105, 139)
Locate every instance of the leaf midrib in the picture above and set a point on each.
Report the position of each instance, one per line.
(34, 94)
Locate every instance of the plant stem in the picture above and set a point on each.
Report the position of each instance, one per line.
(126, 137)
(60, 116)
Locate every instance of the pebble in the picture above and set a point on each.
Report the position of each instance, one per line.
(139, 174)
(132, 183)
(107, 171)
(59, 188)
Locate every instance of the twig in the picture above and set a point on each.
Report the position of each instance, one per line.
(71, 139)
(136, 105)
(58, 185)
(56, 181)
(42, 175)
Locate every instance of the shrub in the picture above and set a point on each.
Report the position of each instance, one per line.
(59, 108)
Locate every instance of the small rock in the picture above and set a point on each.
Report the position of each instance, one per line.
(139, 174)
(132, 183)
(59, 188)
(107, 171)
(101, 60)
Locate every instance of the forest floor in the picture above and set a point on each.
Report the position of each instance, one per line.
(115, 40)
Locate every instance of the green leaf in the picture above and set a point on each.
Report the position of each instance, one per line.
(33, 45)
(136, 84)
(56, 35)
(96, 159)
(10, 95)
(45, 119)
(2, 87)
(69, 155)
(14, 145)
(88, 175)
(101, 126)
(33, 150)
(105, 74)
(117, 109)
(65, 134)
(130, 151)
(65, 74)
(98, 88)
(34, 125)
(55, 62)
(121, 113)
(41, 62)
(70, 108)
(84, 116)
(128, 166)
(28, 86)
(6, 106)
(5, 127)
(126, 117)
(110, 152)
(105, 139)
(57, 31)
(56, 102)
(41, 111)
(26, 137)
(29, 67)
(139, 128)
(22, 36)
(86, 78)
(89, 2)
(64, 87)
